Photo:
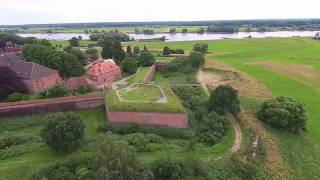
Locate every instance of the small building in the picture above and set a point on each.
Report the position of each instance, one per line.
(26, 76)
(75, 82)
(12, 47)
(104, 71)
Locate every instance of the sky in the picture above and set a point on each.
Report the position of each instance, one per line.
(14, 12)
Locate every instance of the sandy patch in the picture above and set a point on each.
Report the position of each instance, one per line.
(215, 74)
(303, 72)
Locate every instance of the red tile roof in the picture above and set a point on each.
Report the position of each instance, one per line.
(102, 68)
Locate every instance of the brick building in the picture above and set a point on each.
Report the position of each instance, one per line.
(104, 71)
(20, 75)
(12, 47)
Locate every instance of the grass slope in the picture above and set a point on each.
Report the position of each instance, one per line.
(301, 152)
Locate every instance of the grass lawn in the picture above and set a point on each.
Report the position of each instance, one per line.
(83, 43)
(141, 92)
(173, 105)
(139, 76)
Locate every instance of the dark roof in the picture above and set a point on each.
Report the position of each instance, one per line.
(23, 69)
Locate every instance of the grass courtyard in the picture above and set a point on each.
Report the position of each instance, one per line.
(141, 92)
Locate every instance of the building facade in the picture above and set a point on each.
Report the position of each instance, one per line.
(104, 71)
(20, 75)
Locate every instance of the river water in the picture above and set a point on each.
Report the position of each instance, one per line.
(183, 37)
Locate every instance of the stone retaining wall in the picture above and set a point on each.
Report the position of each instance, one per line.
(172, 120)
(150, 74)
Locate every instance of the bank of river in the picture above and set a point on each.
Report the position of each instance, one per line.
(182, 36)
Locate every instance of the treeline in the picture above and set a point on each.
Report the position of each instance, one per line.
(255, 23)
(114, 35)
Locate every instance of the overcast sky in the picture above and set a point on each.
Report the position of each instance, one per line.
(67, 11)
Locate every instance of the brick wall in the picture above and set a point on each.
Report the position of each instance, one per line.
(172, 120)
(150, 74)
(51, 105)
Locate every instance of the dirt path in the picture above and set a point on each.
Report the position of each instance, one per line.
(238, 134)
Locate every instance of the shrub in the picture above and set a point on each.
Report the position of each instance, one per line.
(212, 129)
(10, 139)
(56, 91)
(18, 150)
(83, 89)
(146, 59)
(284, 112)
(176, 51)
(224, 99)
(201, 47)
(63, 132)
(92, 53)
(196, 59)
(14, 97)
(166, 51)
(133, 128)
(129, 65)
(168, 168)
(153, 138)
(71, 170)
(115, 159)
(139, 141)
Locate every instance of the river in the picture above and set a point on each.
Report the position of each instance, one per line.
(181, 36)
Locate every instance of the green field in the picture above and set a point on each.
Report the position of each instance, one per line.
(300, 152)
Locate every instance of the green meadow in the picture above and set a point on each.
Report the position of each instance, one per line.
(301, 152)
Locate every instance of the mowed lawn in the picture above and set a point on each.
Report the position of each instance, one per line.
(301, 152)
(141, 92)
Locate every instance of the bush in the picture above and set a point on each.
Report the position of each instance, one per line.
(115, 159)
(83, 89)
(176, 51)
(74, 169)
(168, 168)
(146, 59)
(129, 65)
(139, 141)
(224, 99)
(166, 51)
(133, 128)
(63, 132)
(201, 47)
(56, 91)
(18, 150)
(196, 59)
(284, 113)
(10, 139)
(153, 138)
(212, 128)
(14, 97)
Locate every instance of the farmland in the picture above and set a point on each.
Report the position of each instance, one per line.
(265, 60)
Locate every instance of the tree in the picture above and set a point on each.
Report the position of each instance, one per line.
(224, 99)
(92, 53)
(201, 30)
(146, 59)
(213, 127)
(129, 65)
(129, 51)
(77, 52)
(172, 30)
(115, 160)
(196, 59)
(107, 50)
(184, 30)
(67, 64)
(201, 47)
(284, 113)
(136, 51)
(166, 51)
(118, 52)
(74, 42)
(63, 132)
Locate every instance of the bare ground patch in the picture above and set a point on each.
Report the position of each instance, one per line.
(215, 74)
(303, 72)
